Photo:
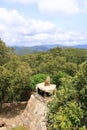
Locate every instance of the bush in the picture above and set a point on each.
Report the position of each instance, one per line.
(38, 78)
(57, 78)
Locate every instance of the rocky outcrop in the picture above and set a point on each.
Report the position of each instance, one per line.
(34, 115)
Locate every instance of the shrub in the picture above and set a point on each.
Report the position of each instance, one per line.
(38, 78)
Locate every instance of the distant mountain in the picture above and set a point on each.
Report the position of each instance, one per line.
(27, 50)
(80, 46)
(20, 50)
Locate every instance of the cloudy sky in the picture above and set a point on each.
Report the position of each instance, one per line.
(40, 22)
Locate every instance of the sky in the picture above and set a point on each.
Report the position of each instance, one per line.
(41, 22)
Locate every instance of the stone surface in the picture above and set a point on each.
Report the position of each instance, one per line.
(47, 81)
(2, 123)
(35, 114)
(49, 89)
(3, 128)
(33, 117)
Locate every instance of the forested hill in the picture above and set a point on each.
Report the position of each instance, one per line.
(67, 68)
(20, 50)
(28, 50)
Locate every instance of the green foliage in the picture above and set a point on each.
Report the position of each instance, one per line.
(57, 59)
(58, 77)
(75, 55)
(65, 112)
(4, 53)
(14, 80)
(80, 81)
(71, 68)
(5, 76)
(38, 78)
(19, 83)
(67, 117)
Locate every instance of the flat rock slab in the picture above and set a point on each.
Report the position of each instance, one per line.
(48, 89)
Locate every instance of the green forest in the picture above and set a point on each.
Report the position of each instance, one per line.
(67, 68)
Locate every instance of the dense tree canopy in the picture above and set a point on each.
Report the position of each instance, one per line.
(14, 76)
(4, 53)
(68, 108)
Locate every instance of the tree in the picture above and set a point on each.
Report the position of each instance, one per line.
(38, 78)
(59, 76)
(19, 82)
(4, 53)
(70, 68)
(80, 82)
(65, 112)
(66, 117)
(5, 77)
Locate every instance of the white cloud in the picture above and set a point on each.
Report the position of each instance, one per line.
(58, 6)
(15, 29)
(66, 7)
(69, 38)
(23, 1)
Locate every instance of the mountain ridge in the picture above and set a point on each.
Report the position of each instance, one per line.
(20, 50)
